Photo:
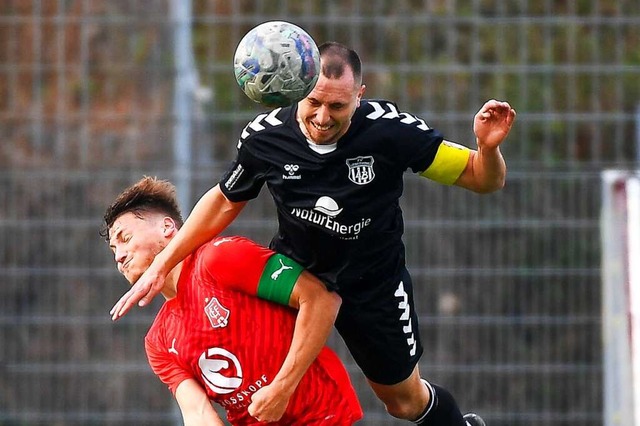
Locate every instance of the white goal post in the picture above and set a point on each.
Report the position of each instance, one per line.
(620, 235)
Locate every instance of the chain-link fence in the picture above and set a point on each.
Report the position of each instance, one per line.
(95, 93)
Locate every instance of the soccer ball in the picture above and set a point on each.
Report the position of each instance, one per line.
(276, 64)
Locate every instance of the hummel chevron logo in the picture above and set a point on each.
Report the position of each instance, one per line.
(405, 310)
(256, 123)
(272, 119)
(380, 111)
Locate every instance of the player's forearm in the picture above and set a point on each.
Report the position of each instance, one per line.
(195, 406)
(313, 326)
(489, 170)
(209, 217)
(199, 419)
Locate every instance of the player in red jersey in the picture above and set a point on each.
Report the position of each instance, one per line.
(219, 336)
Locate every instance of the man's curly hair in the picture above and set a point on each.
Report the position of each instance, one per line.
(149, 194)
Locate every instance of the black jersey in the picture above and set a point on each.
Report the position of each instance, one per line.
(338, 213)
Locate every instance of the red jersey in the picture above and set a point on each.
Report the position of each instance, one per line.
(219, 331)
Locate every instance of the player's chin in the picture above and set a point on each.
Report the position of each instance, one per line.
(324, 137)
(132, 277)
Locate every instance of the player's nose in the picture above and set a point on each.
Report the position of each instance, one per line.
(322, 115)
(120, 255)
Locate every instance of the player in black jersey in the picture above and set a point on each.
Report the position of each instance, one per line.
(334, 164)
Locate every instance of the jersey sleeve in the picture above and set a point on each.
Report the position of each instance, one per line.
(241, 264)
(243, 180)
(246, 176)
(163, 366)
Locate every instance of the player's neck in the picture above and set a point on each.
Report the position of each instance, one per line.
(170, 288)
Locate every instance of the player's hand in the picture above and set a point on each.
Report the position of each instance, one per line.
(492, 123)
(269, 403)
(142, 292)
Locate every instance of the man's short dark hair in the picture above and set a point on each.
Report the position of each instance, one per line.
(335, 56)
(149, 194)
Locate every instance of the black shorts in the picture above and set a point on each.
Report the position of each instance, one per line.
(381, 331)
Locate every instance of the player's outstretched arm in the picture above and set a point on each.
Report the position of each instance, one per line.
(317, 311)
(195, 406)
(486, 170)
(210, 216)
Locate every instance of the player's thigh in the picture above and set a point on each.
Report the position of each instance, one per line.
(382, 334)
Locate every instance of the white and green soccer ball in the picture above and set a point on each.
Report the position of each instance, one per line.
(276, 64)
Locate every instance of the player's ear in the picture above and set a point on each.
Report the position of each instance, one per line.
(360, 94)
(169, 227)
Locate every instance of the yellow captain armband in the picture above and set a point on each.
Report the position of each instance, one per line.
(448, 164)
